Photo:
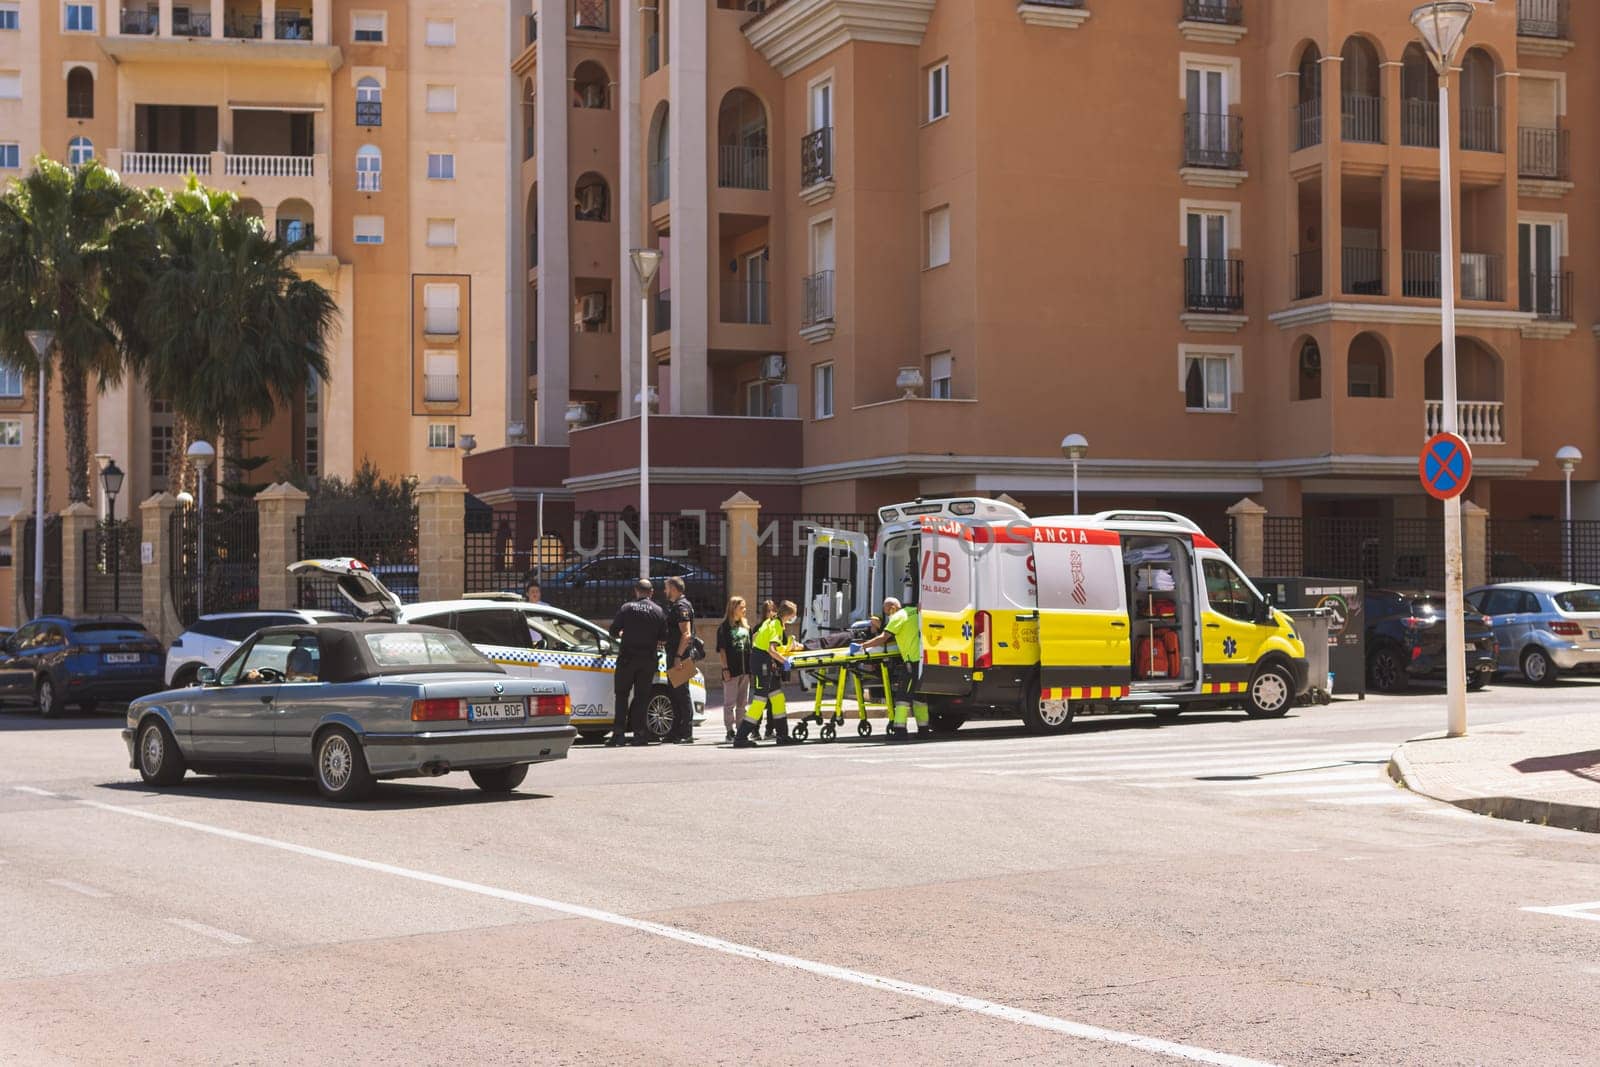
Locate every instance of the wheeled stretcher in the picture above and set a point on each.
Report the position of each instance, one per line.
(836, 671)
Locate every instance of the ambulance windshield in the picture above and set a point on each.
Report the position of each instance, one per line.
(899, 569)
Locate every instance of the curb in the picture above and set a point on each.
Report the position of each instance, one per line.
(1512, 809)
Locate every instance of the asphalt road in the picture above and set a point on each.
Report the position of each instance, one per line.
(1218, 890)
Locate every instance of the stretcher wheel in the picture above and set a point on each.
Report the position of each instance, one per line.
(800, 730)
(865, 728)
(827, 732)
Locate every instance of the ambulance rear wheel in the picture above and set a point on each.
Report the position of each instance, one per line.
(1271, 693)
(1041, 717)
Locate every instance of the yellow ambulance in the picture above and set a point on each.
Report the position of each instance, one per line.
(1040, 618)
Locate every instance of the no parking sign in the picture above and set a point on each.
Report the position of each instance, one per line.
(1445, 466)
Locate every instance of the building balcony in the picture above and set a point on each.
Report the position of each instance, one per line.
(1361, 118)
(1479, 422)
(1482, 276)
(816, 305)
(140, 23)
(1544, 20)
(1213, 285)
(191, 24)
(239, 166)
(1419, 123)
(1060, 14)
(746, 303)
(742, 167)
(1547, 294)
(1220, 12)
(1542, 154)
(1305, 124)
(1361, 271)
(816, 165)
(174, 164)
(1307, 272)
(441, 388)
(191, 34)
(1480, 129)
(1213, 141)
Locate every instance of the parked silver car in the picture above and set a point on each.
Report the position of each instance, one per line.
(350, 703)
(1544, 628)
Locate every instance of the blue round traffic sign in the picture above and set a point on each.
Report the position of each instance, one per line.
(1445, 466)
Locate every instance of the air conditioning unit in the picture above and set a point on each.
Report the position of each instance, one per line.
(592, 306)
(774, 367)
(783, 402)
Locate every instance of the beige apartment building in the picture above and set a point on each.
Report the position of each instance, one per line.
(911, 244)
(379, 129)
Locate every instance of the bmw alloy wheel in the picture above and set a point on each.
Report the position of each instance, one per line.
(335, 762)
(152, 750)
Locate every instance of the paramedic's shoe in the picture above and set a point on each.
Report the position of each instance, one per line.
(783, 734)
(744, 737)
(731, 734)
(897, 733)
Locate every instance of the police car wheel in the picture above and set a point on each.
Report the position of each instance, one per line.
(659, 713)
(1271, 693)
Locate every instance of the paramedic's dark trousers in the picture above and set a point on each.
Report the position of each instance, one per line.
(636, 673)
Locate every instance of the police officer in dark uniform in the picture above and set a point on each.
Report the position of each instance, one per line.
(680, 636)
(639, 627)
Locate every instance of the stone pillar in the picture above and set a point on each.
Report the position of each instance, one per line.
(279, 509)
(19, 563)
(77, 520)
(1474, 544)
(1249, 537)
(441, 539)
(164, 17)
(160, 613)
(744, 526)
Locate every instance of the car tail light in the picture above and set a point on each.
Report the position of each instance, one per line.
(1566, 629)
(437, 710)
(550, 706)
(1416, 652)
(1417, 623)
(982, 654)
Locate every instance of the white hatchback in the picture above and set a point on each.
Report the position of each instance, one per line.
(212, 638)
(529, 640)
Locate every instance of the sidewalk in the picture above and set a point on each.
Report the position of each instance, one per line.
(1546, 771)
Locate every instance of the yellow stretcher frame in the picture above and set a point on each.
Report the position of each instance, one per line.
(837, 667)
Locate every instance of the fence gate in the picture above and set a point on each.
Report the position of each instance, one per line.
(231, 550)
(52, 564)
(1402, 552)
(113, 578)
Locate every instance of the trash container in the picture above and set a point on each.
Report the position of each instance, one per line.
(1312, 624)
(1347, 631)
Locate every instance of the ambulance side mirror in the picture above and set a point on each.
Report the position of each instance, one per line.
(1264, 615)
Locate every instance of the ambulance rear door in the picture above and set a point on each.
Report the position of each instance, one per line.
(837, 581)
(1085, 647)
(945, 606)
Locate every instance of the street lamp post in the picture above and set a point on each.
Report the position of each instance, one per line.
(1569, 457)
(200, 454)
(1075, 446)
(42, 341)
(646, 262)
(1442, 25)
(111, 480)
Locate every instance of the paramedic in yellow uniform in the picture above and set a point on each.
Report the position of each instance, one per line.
(768, 648)
(904, 628)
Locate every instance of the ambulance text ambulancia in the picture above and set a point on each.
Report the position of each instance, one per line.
(1039, 618)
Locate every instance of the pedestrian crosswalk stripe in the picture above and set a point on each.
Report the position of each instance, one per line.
(1190, 767)
(1311, 790)
(1394, 796)
(991, 751)
(1120, 757)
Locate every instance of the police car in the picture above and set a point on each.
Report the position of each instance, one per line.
(529, 640)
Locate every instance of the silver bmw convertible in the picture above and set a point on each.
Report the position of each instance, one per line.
(348, 704)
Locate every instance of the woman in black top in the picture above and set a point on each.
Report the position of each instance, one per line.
(733, 646)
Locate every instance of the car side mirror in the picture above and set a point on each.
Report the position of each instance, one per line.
(1264, 613)
(607, 646)
(206, 676)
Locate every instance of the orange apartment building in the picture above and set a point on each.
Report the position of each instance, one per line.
(910, 244)
(380, 129)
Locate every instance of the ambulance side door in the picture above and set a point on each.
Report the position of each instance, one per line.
(1230, 638)
(945, 607)
(1084, 635)
(837, 563)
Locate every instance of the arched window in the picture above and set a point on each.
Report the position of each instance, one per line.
(369, 102)
(1367, 370)
(1362, 101)
(80, 93)
(530, 128)
(369, 168)
(741, 141)
(1480, 102)
(591, 86)
(294, 222)
(660, 154)
(1308, 99)
(1308, 382)
(593, 199)
(80, 150)
(1419, 92)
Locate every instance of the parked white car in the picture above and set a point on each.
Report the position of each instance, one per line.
(213, 638)
(538, 641)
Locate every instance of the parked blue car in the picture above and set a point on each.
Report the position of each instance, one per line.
(55, 662)
(1545, 629)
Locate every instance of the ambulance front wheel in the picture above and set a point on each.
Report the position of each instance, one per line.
(1271, 693)
(1045, 716)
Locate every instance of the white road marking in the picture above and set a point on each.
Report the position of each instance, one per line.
(1394, 796)
(35, 792)
(80, 888)
(1341, 774)
(210, 931)
(1590, 911)
(1316, 759)
(1308, 790)
(1016, 749)
(1083, 1031)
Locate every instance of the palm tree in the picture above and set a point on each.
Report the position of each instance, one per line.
(215, 317)
(57, 229)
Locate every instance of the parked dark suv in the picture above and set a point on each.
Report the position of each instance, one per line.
(1406, 637)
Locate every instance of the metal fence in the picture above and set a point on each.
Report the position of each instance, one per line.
(781, 550)
(52, 564)
(1400, 552)
(113, 577)
(223, 544)
(386, 541)
(1525, 549)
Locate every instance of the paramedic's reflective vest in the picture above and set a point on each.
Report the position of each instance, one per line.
(905, 627)
(768, 683)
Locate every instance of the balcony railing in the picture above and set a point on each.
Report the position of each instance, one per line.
(141, 23)
(742, 166)
(816, 157)
(1542, 153)
(296, 231)
(1307, 274)
(1226, 12)
(1480, 129)
(292, 28)
(174, 163)
(1483, 277)
(270, 166)
(1306, 123)
(1419, 274)
(1361, 271)
(652, 53)
(369, 181)
(1362, 117)
(660, 181)
(1213, 285)
(369, 112)
(1213, 141)
(746, 302)
(1543, 18)
(243, 27)
(1419, 123)
(661, 312)
(441, 388)
(1547, 294)
(198, 24)
(816, 298)
(594, 15)
(1481, 422)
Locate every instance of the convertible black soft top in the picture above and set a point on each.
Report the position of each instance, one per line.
(345, 657)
